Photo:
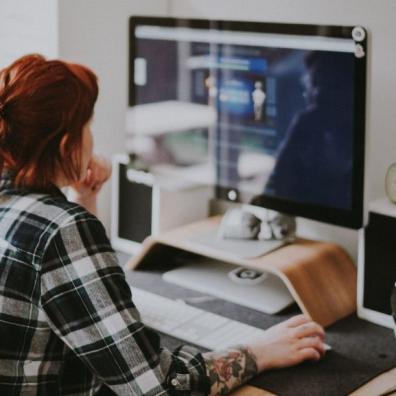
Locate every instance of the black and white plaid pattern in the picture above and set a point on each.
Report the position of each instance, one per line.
(67, 321)
(393, 303)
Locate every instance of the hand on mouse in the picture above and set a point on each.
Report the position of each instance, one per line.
(289, 343)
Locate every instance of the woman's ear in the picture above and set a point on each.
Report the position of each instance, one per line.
(63, 145)
(64, 151)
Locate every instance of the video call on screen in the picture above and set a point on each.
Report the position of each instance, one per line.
(283, 117)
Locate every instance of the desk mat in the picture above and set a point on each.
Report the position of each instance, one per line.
(360, 350)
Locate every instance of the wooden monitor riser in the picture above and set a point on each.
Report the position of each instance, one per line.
(319, 275)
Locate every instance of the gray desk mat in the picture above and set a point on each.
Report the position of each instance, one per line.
(360, 350)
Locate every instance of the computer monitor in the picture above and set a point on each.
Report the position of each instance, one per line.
(269, 114)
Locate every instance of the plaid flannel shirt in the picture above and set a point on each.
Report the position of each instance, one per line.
(393, 303)
(67, 321)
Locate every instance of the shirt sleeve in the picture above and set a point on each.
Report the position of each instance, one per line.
(89, 306)
(393, 303)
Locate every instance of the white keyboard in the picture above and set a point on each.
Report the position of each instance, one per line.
(191, 324)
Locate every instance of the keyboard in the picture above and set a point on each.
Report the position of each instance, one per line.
(190, 324)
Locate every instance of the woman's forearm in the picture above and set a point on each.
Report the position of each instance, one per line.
(229, 369)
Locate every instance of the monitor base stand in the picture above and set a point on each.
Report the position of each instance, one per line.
(318, 275)
(263, 292)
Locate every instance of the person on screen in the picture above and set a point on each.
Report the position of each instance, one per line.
(314, 161)
(68, 321)
(211, 86)
(258, 97)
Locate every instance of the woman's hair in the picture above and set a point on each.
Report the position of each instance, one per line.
(44, 105)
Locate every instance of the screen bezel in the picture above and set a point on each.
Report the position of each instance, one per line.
(352, 218)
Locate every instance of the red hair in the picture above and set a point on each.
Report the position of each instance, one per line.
(44, 105)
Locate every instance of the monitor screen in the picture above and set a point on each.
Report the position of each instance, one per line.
(269, 114)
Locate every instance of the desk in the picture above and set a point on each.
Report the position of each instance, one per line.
(340, 335)
(377, 386)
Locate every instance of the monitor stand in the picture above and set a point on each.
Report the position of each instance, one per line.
(263, 292)
(317, 274)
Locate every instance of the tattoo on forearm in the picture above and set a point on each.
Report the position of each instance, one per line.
(230, 369)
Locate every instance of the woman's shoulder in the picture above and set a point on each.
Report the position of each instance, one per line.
(69, 221)
(51, 212)
(29, 221)
(61, 211)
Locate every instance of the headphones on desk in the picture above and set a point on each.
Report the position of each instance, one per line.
(278, 226)
(239, 223)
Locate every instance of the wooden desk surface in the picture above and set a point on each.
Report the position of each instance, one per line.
(378, 385)
(248, 390)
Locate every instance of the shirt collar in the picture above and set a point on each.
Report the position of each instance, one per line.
(7, 186)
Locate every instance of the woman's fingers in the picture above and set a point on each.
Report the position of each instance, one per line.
(304, 327)
(308, 354)
(296, 321)
(312, 342)
(88, 177)
(103, 169)
(309, 329)
(100, 169)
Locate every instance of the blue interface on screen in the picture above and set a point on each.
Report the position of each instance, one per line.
(261, 113)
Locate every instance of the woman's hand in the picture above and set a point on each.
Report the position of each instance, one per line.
(289, 343)
(98, 172)
(85, 191)
(286, 344)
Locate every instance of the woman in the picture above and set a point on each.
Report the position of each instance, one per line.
(68, 322)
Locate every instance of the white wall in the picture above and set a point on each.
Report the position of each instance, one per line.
(379, 18)
(27, 27)
(94, 32)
